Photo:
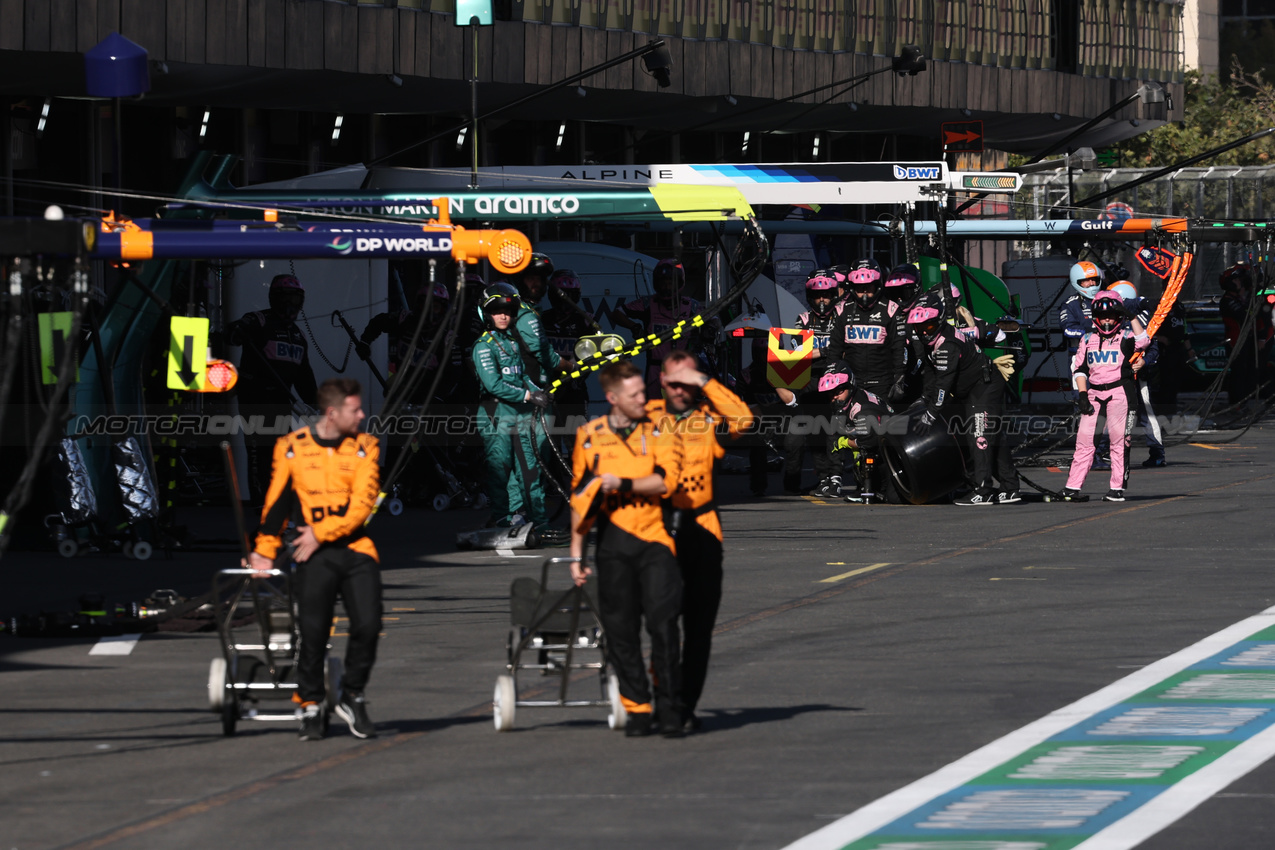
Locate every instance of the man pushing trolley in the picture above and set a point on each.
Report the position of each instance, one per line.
(621, 466)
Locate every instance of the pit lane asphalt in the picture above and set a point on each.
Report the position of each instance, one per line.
(822, 696)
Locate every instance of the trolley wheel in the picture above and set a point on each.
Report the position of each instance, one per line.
(68, 548)
(142, 550)
(394, 506)
(503, 703)
(332, 671)
(127, 548)
(480, 501)
(618, 716)
(442, 502)
(229, 715)
(511, 643)
(217, 684)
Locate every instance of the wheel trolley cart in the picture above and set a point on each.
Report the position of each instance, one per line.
(548, 630)
(256, 613)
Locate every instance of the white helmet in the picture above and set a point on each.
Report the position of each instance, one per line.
(1086, 278)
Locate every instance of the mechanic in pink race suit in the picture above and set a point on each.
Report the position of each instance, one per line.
(1103, 366)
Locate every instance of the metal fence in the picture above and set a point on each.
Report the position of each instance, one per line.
(1228, 192)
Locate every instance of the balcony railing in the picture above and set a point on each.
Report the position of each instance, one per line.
(1101, 38)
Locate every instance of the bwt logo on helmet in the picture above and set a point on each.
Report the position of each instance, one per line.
(865, 333)
(914, 172)
(403, 245)
(526, 204)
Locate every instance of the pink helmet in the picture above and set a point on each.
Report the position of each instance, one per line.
(441, 293)
(922, 313)
(565, 279)
(821, 281)
(925, 321)
(867, 272)
(905, 275)
(1108, 311)
(1104, 298)
(832, 380)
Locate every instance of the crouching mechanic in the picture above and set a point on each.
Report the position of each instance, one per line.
(622, 465)
(325, 480)
(692, 408)
(857, 423)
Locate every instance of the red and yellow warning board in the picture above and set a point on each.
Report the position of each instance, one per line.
(789, 369)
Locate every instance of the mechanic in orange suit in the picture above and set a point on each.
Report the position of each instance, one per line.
(622, 465)
(325, 480)
(693, 407)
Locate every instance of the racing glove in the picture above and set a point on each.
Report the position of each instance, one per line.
(897, 392)
(1086, 406)
(540, 399)
(925, 422)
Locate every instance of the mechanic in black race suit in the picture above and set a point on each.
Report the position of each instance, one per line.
(276, 360)
(870, 334)
(903, 287)
(858, 421)
(960, 378)
(821, 288)
(400, 326)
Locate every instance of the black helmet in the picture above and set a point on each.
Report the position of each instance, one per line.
(499, 298)
(540, 266)
(287, 296)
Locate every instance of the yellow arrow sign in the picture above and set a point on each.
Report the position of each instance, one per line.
(187, 353)
(55, 342)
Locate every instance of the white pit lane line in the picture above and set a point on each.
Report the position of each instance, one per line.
(1128, 831)
(115, 645)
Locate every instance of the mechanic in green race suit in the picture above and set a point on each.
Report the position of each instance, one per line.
(506, 420)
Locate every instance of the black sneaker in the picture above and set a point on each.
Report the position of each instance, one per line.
(1008, 497)
(830, 487)
(1114, 496)
(639, 725)
(692, 724)
(1101, 462)
(976, 498)
(312, 722)
(1155, 461)
(352, 708)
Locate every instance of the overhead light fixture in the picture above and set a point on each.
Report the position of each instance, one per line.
(744, 147)
(580, 92)
(336, 129)
(203, 125)
(394, 80)
(814, 151)
(658, 62)
(562, 134)
(44, 118)
(730, 98)
(966, 112)
(460, 137)
(852, 106)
